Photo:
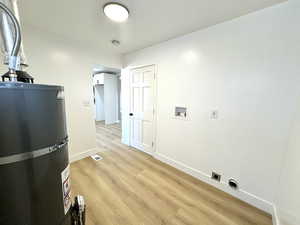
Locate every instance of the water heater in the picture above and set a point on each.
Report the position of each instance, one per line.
(34, 164)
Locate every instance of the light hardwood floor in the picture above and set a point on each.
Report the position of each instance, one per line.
(108, 136)
(129, 187)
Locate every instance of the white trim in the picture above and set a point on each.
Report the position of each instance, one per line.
(155, 106)
(275, 218)
(130, 106)
(240, 194)
(149, 153)
(82, 155)
(125, 142)
(140, 66)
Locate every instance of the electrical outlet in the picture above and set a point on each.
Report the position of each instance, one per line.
(233, 184)
(216, 177)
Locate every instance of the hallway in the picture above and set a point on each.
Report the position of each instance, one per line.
(109, 136)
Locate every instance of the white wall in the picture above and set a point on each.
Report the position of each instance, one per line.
(111, 98)
(247, 69)
(288, 199)
(99, 100)
(54, 60)
(98, 79)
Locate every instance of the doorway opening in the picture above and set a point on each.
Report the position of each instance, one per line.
(127, 122)
(107, 106)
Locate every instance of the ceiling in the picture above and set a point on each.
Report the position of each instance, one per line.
(150, 22)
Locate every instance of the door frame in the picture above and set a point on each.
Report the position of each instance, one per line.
(154, 104)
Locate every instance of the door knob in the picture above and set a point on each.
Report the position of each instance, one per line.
(130, 114)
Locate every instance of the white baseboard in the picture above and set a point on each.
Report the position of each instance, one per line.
(125, 141)
(240, 194)
(82, 155)
(275, 217)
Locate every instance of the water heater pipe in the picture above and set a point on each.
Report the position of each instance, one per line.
(15, 10)
(14, 59)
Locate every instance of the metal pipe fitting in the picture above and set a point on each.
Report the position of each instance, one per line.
(14, 59)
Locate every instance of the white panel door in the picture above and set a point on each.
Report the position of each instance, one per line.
(142, 123)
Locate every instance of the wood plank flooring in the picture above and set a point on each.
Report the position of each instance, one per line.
(108, 136)
(129, 187)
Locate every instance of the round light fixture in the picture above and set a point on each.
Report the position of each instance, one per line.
(116, 11)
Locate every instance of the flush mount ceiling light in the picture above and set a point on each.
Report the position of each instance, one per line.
(116, 11)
